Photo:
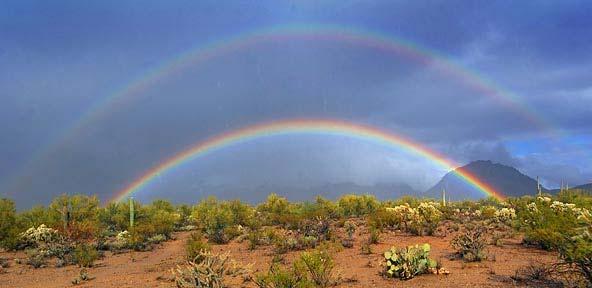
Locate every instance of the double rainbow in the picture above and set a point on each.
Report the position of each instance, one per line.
(302, 126)
(203, 52)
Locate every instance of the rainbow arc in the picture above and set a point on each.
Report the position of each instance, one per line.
(301, 126)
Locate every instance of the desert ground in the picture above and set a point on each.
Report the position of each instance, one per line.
(153, 268)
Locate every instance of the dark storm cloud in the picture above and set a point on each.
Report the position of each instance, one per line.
(58, 59)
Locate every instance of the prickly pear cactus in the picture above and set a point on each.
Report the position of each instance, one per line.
(406, 263)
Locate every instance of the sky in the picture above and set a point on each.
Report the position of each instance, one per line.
(61, 61)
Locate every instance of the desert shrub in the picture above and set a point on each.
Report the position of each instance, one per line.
(406, 263)
(255, 238)
(549, 224)
(374, 236)
(284, 244)
(489, 212)
(161, 216)
(318, 227)
(195, 246)
(366, 249)
(82, 277)
(35, 258)
(138, 236)
(85, 255)
(470, 244)
(324, 207)
(33, 217)
(275, 209)
(76, 216)
(242, 214)
(577, 252)
(319, 265)
(185, 218)
(4, 263)
(357, 205)
(210, 272)
(306, 242)
(8, 230)
(383, 218)
(277, 277)
(115, 216)
(350, 229)
(156, 239)
(537, 275)
(217, 219)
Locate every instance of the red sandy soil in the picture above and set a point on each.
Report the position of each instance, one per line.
(153, 268)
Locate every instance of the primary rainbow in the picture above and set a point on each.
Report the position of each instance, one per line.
(296, 126)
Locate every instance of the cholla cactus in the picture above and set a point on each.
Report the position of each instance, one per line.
(505, 215)
(405, 214)
(40, 236)
(122, 240)
(429, 212)
(583, 214)
(544, 199)
(123, 236)
(350, 228)
(560, 207)
(210, 272)
(532, 208)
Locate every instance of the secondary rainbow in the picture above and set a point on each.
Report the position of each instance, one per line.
(302, 126)
(320, 32)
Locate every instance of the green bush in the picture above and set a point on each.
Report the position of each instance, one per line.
(36, 259)
(277, 210)
(276, 277)
(548, 223)
(319, 265)
(75, 216)
(406, 263)
(577, 251)
(374, 236)
(219, 219)
(85, 255)
(311, 269)
(357, 205)
(8, 230)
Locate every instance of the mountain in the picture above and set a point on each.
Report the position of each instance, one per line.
(585, 187)
(505, 179)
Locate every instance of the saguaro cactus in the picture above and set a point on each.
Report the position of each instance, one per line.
(131, 210)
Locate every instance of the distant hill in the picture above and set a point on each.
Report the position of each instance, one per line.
(505, 179)
(585, 187)
(382, 191)
(257, 194)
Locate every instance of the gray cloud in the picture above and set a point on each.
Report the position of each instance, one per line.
(57, 63)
